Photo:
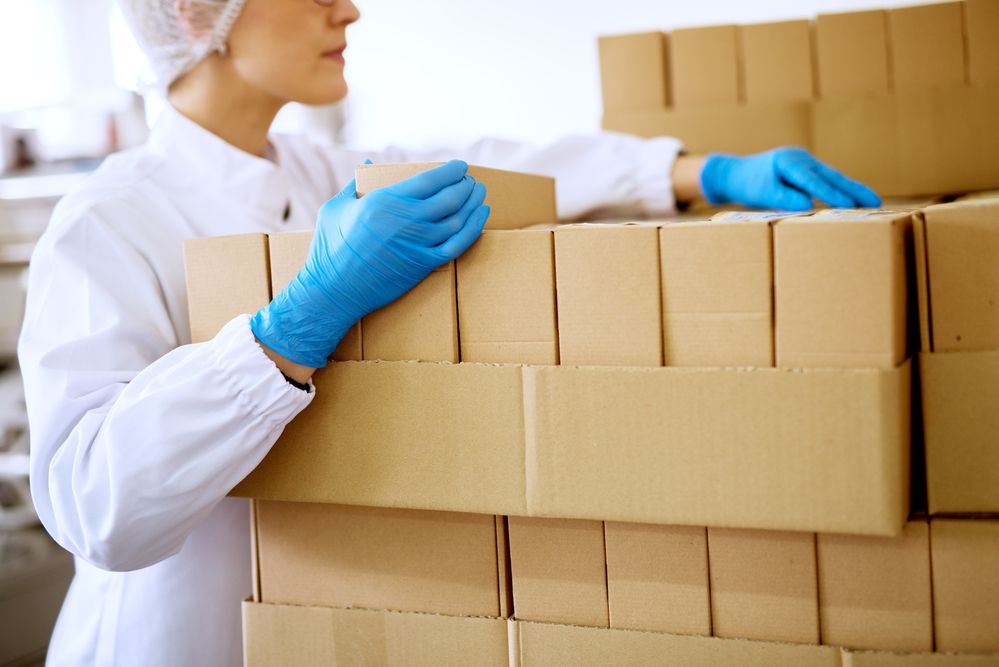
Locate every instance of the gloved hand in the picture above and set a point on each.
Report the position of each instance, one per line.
(783, 178)
(368, 252)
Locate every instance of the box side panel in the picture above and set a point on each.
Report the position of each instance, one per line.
(852, 53)
(705, 66)
(633, 72)
(777, 61)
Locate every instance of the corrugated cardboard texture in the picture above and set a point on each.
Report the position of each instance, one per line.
(542, 645)
(878, 659)
(763, 585)
(960, 423)
(405, 560)
(657, 578)
(634, 72)
(927, 45)
(705, 64)
(717, 282)
(608, 295)
(965, 584)
(559, 571)
(506, 299)
(320, 637)
(777, 61)
(726, 128)
(852, 53)
(288, 252)
(981, 25)
(962, 244)
(226, 276)
(422, 325)
(874, 592)
(841, 295)
(516, 199)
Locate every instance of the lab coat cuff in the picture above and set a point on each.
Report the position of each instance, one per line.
(654, 175)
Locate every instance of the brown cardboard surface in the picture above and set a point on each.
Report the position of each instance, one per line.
(657, 578)
(717, 293)
(422, 325)
(763, 585)
(318, 637)
(559, 571)
(408, 560)
(777, 61)
(503, 560)
(724, 127)
(927, 45)
(841, 290)
(506, 298)
(874, 592)
(705, 66)
(981, 30)
(880, 659)
(852, 53)
(607, 280)
(634, 71)
(965, 584)
(216, 295)
(516, 199)
(960, 423)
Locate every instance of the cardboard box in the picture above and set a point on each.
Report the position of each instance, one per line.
(763, 585)
(633, 71)
(841, 297)
(657, 578)
(927, 45)
(981, 29)
(609, 310)
(884, 659)
(965, 584)
(516, 199)
(406, 560)
(852, 53)
(559, 571)
(717, 282)
(506, 298)
(777, 62)
(276, 634)
(705, 64)
(874, 592)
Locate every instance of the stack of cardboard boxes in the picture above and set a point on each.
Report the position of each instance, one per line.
(903, 99)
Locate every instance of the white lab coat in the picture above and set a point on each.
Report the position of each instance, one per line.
(137, 435)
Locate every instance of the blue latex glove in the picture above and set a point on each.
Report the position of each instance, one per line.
(784, 178)
(368, 252)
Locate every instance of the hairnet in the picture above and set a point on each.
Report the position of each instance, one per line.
(175, 41)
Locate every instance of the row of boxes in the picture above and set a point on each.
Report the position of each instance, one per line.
(906, 48)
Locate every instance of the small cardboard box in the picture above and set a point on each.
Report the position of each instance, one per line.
(981, 27)
(705, 64)
(763, 585)
(852, 53)
(927, 45)
(874, 592)
(634, 73)
(777, 61)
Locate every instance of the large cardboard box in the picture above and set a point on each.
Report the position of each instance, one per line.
(516, 199)
(607, 280)
(763, 585)
(927, 45)
(717, 293)
(981, 27)
(874, 592)
(506, 298)
(559, 573)
(841, 289)
(852, 53)
(705, 64)
(965, 584)
(777, 61)
(657, 578)
(634, 73)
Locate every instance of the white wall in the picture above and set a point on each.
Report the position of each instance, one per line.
(444, 72)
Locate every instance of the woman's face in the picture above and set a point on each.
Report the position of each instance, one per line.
(293, 49)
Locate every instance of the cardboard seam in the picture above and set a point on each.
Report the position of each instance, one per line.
(818, 589)
(933, 612)
(603, 534)
(513, 644)
(707, 560)
(551, 248)
(528, 392)
(255, 551)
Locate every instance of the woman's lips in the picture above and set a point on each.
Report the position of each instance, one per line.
(335, 54)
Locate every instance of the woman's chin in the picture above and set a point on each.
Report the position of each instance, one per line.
(319, 95)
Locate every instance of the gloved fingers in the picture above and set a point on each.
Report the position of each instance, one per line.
(860, 193)
(455, 246)
(430, 182)
(787, 198)
(446, 202)
(803, 175)
(436, 233)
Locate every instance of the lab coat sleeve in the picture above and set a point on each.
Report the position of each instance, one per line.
(605, 173)
(133, 439)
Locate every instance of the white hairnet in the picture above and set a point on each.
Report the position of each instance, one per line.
(174, 39)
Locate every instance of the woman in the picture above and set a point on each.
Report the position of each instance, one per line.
(138, 435)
